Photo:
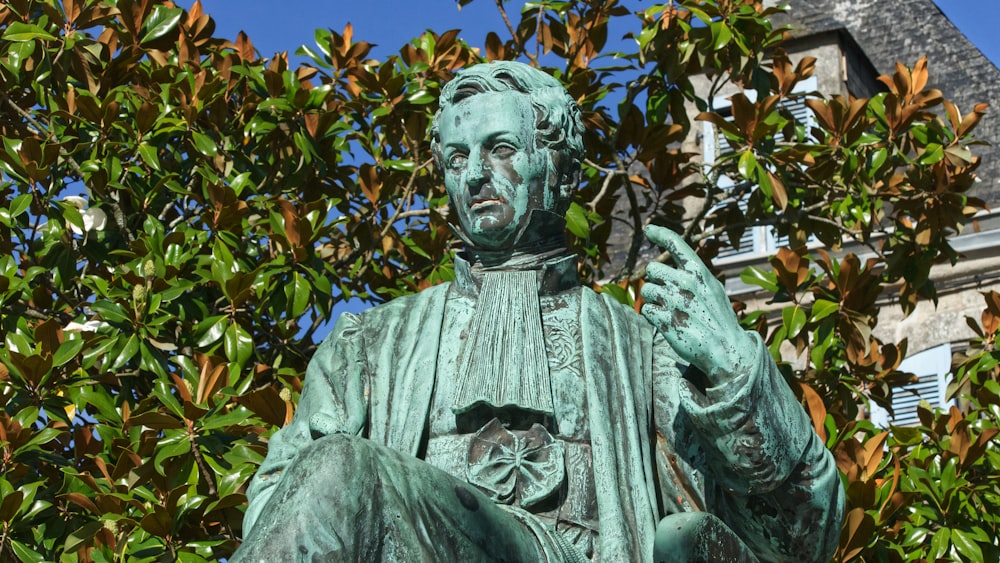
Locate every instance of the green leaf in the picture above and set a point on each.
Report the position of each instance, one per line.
(82, 535)
(19, 53)
(576, 220)
(19, 31)
(26, 416)
(19, 205)
(175, 443)
(166, 395)
(25, 554)
(238, 344)
(204, 144)
(752, 275)
(939, 544)
(322, 37)
(933, 154)
(111, 312)
(421, 97)
(748, 165)
(822, 309)
(149, 156)
(160, 22)
(100, 405)
(211, 330)
(298, 295)
(907, 435)
(98, 350)
(967, 547)
(67, 351)
(794, 318)
(43, 436)
(618, 293)
(129, 351)
(721, 35)
(878, 158)
(72, 215)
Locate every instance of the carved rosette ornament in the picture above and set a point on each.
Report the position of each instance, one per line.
(516, 467)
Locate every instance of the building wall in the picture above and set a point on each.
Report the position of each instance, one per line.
(854, 41)
(904, 31)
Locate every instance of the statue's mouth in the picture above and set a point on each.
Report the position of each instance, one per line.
(489, 201)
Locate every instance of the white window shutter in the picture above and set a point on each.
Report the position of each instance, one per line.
(756, 241)
(932, 368)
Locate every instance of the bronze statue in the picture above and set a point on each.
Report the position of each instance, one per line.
(513, 415)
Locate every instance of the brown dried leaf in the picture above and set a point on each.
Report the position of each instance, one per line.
(919, 75)
(874, 452)
(371, 186)
(194, 13)
(815, 408)
(991, 314)
(245, 47)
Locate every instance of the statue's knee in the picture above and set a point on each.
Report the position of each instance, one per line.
(692, 537)
(337, 459)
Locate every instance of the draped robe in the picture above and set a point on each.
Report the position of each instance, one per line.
(661, 445)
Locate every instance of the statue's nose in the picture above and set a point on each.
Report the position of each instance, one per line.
(479, 173)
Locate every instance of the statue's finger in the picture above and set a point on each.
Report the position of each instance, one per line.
(661, 273)
(652, 311)
(670, 276)
(651, 293)
(682, 254)
(669, 295)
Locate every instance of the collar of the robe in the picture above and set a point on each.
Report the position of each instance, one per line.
(555, 275)
(537, 248)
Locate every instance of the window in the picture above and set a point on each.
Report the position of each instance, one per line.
(756, 242)
(932, 367)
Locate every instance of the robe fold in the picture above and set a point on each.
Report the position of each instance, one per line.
(745, 452)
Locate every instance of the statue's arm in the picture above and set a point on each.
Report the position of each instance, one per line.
(768, 475)
(332, 401)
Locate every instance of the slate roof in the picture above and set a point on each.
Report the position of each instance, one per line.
(905, 30)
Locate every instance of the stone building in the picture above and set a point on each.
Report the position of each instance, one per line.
(854, 41)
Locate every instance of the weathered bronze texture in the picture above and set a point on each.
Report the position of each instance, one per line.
(513, 415)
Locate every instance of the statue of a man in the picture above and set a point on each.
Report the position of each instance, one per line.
(513, 415)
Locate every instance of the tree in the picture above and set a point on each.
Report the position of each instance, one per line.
(181, 217)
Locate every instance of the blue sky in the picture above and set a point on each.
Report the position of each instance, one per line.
(284, 25)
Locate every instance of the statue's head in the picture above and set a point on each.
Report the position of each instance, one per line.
(508, 139)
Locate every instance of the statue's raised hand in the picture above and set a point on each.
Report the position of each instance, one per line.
(690, 308)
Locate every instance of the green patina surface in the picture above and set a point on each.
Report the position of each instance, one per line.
(515, 416)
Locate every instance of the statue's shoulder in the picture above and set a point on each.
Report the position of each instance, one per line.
(408, 303)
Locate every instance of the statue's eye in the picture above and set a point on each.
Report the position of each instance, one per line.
(503, 151)
(457, 161)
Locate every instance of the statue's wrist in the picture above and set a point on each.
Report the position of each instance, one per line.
(731, 358)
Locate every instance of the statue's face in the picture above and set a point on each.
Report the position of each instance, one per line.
(493, 172)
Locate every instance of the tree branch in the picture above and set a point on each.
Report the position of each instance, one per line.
(609, 174)
(41, 314)
(116, 210)
(406, 193)
(719, 230)
(637, 236)
(513, 33)
(41, 130)
(200, 461)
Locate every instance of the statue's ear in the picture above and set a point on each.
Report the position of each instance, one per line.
(570, 181)
(436, 154)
